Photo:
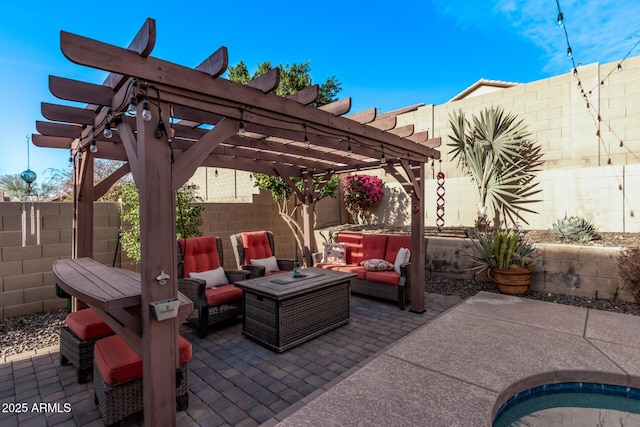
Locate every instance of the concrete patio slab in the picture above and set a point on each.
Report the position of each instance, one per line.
(567, 319)
(479, 354)
(392, 392)
(614, 327)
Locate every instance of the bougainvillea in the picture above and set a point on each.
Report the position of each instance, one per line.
(360, 193)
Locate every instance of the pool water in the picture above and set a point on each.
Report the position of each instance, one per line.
(571, 404)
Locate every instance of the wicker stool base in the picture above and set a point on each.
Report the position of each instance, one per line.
(118, 402)
(78, 352)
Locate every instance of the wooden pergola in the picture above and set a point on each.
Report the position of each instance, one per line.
(201, 119)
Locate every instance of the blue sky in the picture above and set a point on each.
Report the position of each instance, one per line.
(386, 54)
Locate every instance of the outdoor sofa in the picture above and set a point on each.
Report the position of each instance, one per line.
(381, 262)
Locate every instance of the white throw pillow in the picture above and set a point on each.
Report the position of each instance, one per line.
(270, 264)
(213, 277)
(402, 258)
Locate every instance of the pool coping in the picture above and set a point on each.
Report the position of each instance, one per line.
(458, 370)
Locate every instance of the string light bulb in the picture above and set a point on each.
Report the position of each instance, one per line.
(569, 52)
(70, 156)
(560, 20)
(131, 110)
(108, 133)
(349, 150)
(620, 66)
(146, 112)
(383, 159)
(241, 129)
(216, 172)
(575, 72)
(307, 144)
(93, 147)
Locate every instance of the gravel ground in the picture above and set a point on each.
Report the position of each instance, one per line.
(34, 331)
(30, 332)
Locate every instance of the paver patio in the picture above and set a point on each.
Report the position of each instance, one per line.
(233, 381)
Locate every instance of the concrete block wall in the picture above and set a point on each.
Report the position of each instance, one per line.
(32, 237)
(27, 284)
(597, 173)
(584, 271)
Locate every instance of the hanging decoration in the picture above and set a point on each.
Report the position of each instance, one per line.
(440, 202)
(28, 175)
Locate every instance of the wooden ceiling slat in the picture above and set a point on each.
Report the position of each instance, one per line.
(384, 123)
(51, 141)
(365, 116)
(65, 113)
(403, 131)
(216, 64)
(268, 82)
(337, 108)
(110, 58)
(143, 44)
(58, 129)
(306, 96)
(74, 90)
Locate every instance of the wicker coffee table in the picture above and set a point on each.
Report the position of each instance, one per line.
(281, 311)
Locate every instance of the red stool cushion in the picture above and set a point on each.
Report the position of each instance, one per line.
(87, 325)
(118, 363)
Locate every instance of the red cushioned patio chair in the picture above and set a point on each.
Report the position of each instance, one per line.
(203, 280)
(255, 252)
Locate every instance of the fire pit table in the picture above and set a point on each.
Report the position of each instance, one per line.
(282, 311)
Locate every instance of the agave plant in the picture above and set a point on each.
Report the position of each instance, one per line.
(575, 228)
(501, 249)
(495, 149)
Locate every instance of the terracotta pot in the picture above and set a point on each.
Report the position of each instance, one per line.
(512, 281)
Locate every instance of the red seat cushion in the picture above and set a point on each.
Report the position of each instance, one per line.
(222, 294)
(359, 270)
(199, 254)
(118, 363)
(87, 325)
(255, 245)
(388, 277)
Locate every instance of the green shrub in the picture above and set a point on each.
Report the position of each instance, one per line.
(629, 269)
(575, 228)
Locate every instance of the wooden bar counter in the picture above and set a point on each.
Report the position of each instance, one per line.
(114, 294)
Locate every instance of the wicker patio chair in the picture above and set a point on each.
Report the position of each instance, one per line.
(117, 379)
(223, 301)
(84, 327)
(257, 246)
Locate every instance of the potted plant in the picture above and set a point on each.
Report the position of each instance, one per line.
(507, 258)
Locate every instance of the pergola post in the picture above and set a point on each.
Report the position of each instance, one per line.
(158, 256)
(82, 212)
(417, 240)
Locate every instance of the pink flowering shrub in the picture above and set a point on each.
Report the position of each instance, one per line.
(360, 193)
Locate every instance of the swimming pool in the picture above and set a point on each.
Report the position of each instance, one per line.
(571, 404)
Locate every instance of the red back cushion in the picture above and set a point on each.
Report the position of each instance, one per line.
(394, 243)
(353, 242)
(255, 245)
(199, 254)
(373, 246)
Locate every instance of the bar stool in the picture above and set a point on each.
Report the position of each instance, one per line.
(117, 378)
(84, 328)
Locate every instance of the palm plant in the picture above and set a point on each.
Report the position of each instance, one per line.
(495, 149)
